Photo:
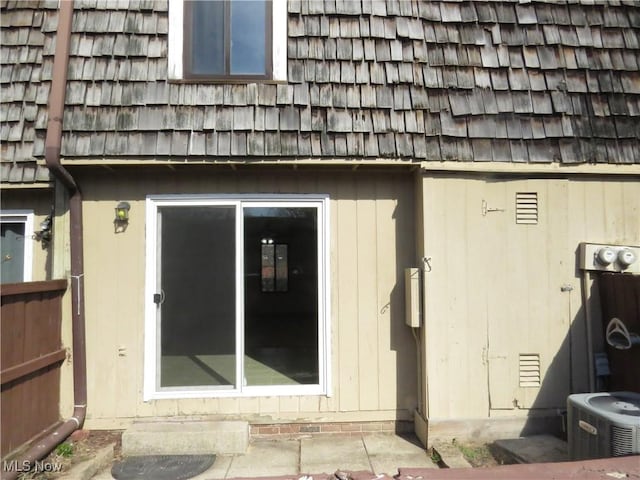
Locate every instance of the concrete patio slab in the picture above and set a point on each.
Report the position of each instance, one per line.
(218, 470)
(534, 449)
(381, 443)
(266, 458)
(328, 454)
(388, 452)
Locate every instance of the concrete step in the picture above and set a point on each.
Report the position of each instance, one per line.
(533, 449)
(184, 438)
(451, 455)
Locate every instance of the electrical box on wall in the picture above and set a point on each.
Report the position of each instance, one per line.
(609, 258)
(412, 296)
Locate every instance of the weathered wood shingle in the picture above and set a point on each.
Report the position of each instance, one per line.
(500, 81)
(26, 35)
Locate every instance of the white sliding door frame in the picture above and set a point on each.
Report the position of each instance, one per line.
(152, 390)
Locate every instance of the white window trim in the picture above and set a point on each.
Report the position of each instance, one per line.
(278, 42)
(150, 389)
(26, 217)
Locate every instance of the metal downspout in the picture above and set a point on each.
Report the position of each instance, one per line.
(52, 156)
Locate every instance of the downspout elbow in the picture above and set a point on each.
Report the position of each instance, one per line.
(79, 415)
(52, 157)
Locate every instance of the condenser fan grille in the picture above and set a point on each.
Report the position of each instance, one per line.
(619, 404)
(621, 441)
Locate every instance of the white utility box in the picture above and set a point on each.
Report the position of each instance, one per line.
(412, 297)
(609, 258)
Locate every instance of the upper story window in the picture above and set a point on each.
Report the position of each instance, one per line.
(227, 40)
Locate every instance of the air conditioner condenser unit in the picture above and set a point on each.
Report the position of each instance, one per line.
(603, 424)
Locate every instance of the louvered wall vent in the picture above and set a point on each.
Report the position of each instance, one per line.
(529, 369)
(527, 208)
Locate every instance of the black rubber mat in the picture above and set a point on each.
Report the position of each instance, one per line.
(161, 467)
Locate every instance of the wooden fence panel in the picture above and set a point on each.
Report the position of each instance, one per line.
(30, 360)
(620, 297)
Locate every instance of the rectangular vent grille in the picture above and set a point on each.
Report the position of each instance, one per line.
(527, 208)
(529, 369)
(621, 441)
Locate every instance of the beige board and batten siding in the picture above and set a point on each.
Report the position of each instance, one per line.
(373, 359)
(503, 298)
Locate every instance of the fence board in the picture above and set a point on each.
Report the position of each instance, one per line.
(18, 371)
(620, 297)
(30, 361)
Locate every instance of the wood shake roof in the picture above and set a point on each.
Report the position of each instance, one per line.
(24, 90)
(509, 81)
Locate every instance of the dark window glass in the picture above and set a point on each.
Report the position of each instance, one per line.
(207, 38)
(227, 38)
(248, 20)
(12, 243)
(197, 313)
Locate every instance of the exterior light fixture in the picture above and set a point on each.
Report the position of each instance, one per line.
(44, 235)
(122, 212)
(122, 217)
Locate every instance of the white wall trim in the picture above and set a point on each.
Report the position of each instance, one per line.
(324, 259)
(150, 332)
(176, 39)
(279, 40)
(25, 186)
(26, 217)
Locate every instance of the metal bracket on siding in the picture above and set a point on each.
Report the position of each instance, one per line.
(427, 264)
(486, 209)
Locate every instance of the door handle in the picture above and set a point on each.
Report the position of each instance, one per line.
(158, 298)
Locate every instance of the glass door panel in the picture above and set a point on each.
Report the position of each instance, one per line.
(12, 242)
(280, 295)
(196, 296)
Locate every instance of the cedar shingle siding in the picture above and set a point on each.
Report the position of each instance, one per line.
(27, 29)
(431, 80)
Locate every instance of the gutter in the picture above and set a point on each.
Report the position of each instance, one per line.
(53, 142)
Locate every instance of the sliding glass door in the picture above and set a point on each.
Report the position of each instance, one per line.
(280, 295)
(195, 298)
(237, 296)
